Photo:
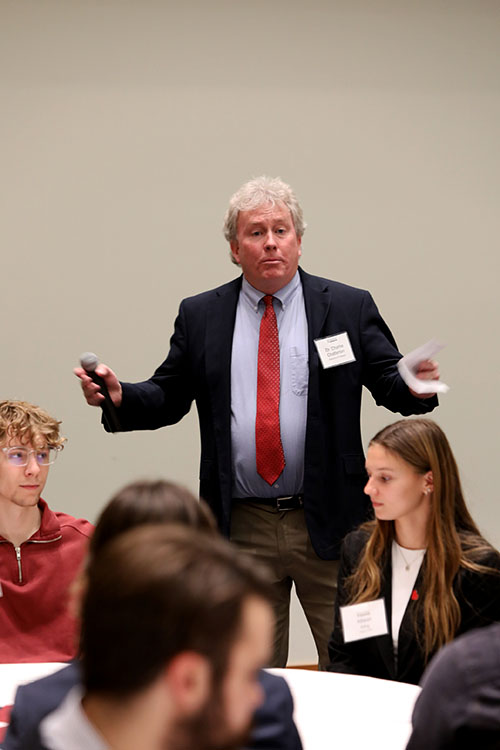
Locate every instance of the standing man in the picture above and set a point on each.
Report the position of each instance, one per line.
(282, 463)
(40, 551)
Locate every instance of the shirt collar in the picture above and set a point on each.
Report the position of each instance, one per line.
(253, 296)
(68, 726)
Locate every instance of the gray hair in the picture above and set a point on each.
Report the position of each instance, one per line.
(255, 193)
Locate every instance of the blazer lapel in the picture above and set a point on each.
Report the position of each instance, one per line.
(385, 642)
(221, 314)
(317, 303)
(408, 649)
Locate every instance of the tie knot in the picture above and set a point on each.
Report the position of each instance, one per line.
(268, 300)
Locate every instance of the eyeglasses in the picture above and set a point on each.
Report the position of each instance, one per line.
(21, 456)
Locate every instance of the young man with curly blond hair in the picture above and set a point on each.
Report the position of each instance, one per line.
(40, 550)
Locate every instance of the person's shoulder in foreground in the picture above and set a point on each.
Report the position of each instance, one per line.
(33, 702)
(459, 706)
(274, 727)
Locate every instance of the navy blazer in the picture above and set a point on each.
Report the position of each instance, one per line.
(274, 728)
(198, 367)
(478, 595)
(464, 682)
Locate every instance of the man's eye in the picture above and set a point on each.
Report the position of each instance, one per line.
(43, 454)
(17, 457)
(280, 231)
(256, 233)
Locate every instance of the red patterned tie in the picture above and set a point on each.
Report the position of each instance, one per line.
(269, 450)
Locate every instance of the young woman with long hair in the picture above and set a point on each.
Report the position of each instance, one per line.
(423, 554)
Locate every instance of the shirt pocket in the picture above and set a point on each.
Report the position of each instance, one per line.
(300, 372)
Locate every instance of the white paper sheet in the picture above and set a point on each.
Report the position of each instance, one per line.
(408, 365)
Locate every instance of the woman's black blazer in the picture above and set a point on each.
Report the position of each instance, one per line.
(477, 593)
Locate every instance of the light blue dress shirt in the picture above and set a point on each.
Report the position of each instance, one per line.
(292, 326)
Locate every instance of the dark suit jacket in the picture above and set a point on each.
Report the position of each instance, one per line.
(198, 367)
(478, 595)
(464, 682)
(274, 728)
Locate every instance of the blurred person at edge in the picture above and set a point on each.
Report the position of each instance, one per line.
(138, 503)
(40, 550)
(459, 705)
(423, 554)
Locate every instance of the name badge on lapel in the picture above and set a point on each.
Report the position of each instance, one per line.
(335, 350)
(364, 620)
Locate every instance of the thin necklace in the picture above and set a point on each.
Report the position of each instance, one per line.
(406, 563)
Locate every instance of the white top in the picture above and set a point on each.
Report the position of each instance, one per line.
(405, 566)
(67, 728)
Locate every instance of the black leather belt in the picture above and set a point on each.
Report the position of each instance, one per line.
(286, 502)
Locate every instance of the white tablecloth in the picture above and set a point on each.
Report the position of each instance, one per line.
(342, 711)
(337, 711)
(12, 675)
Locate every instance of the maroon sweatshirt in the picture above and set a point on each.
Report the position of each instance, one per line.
(35, 624)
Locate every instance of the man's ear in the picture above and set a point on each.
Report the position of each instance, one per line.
(235, 251)
(189, 680)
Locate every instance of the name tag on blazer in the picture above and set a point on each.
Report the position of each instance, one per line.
(335, 350)
(365, 620)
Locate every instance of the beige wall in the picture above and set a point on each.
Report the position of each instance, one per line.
(125, 127)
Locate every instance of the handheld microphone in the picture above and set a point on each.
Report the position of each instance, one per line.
(89, 362)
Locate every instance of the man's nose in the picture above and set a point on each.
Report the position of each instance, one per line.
(32, 467)
(270, 243)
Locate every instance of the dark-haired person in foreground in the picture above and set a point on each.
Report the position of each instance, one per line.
(40, 550)
(175, 626)
(135, 504)
(423, 555)
(459, 706)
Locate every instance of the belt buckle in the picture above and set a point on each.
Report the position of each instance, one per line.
(284, 506)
